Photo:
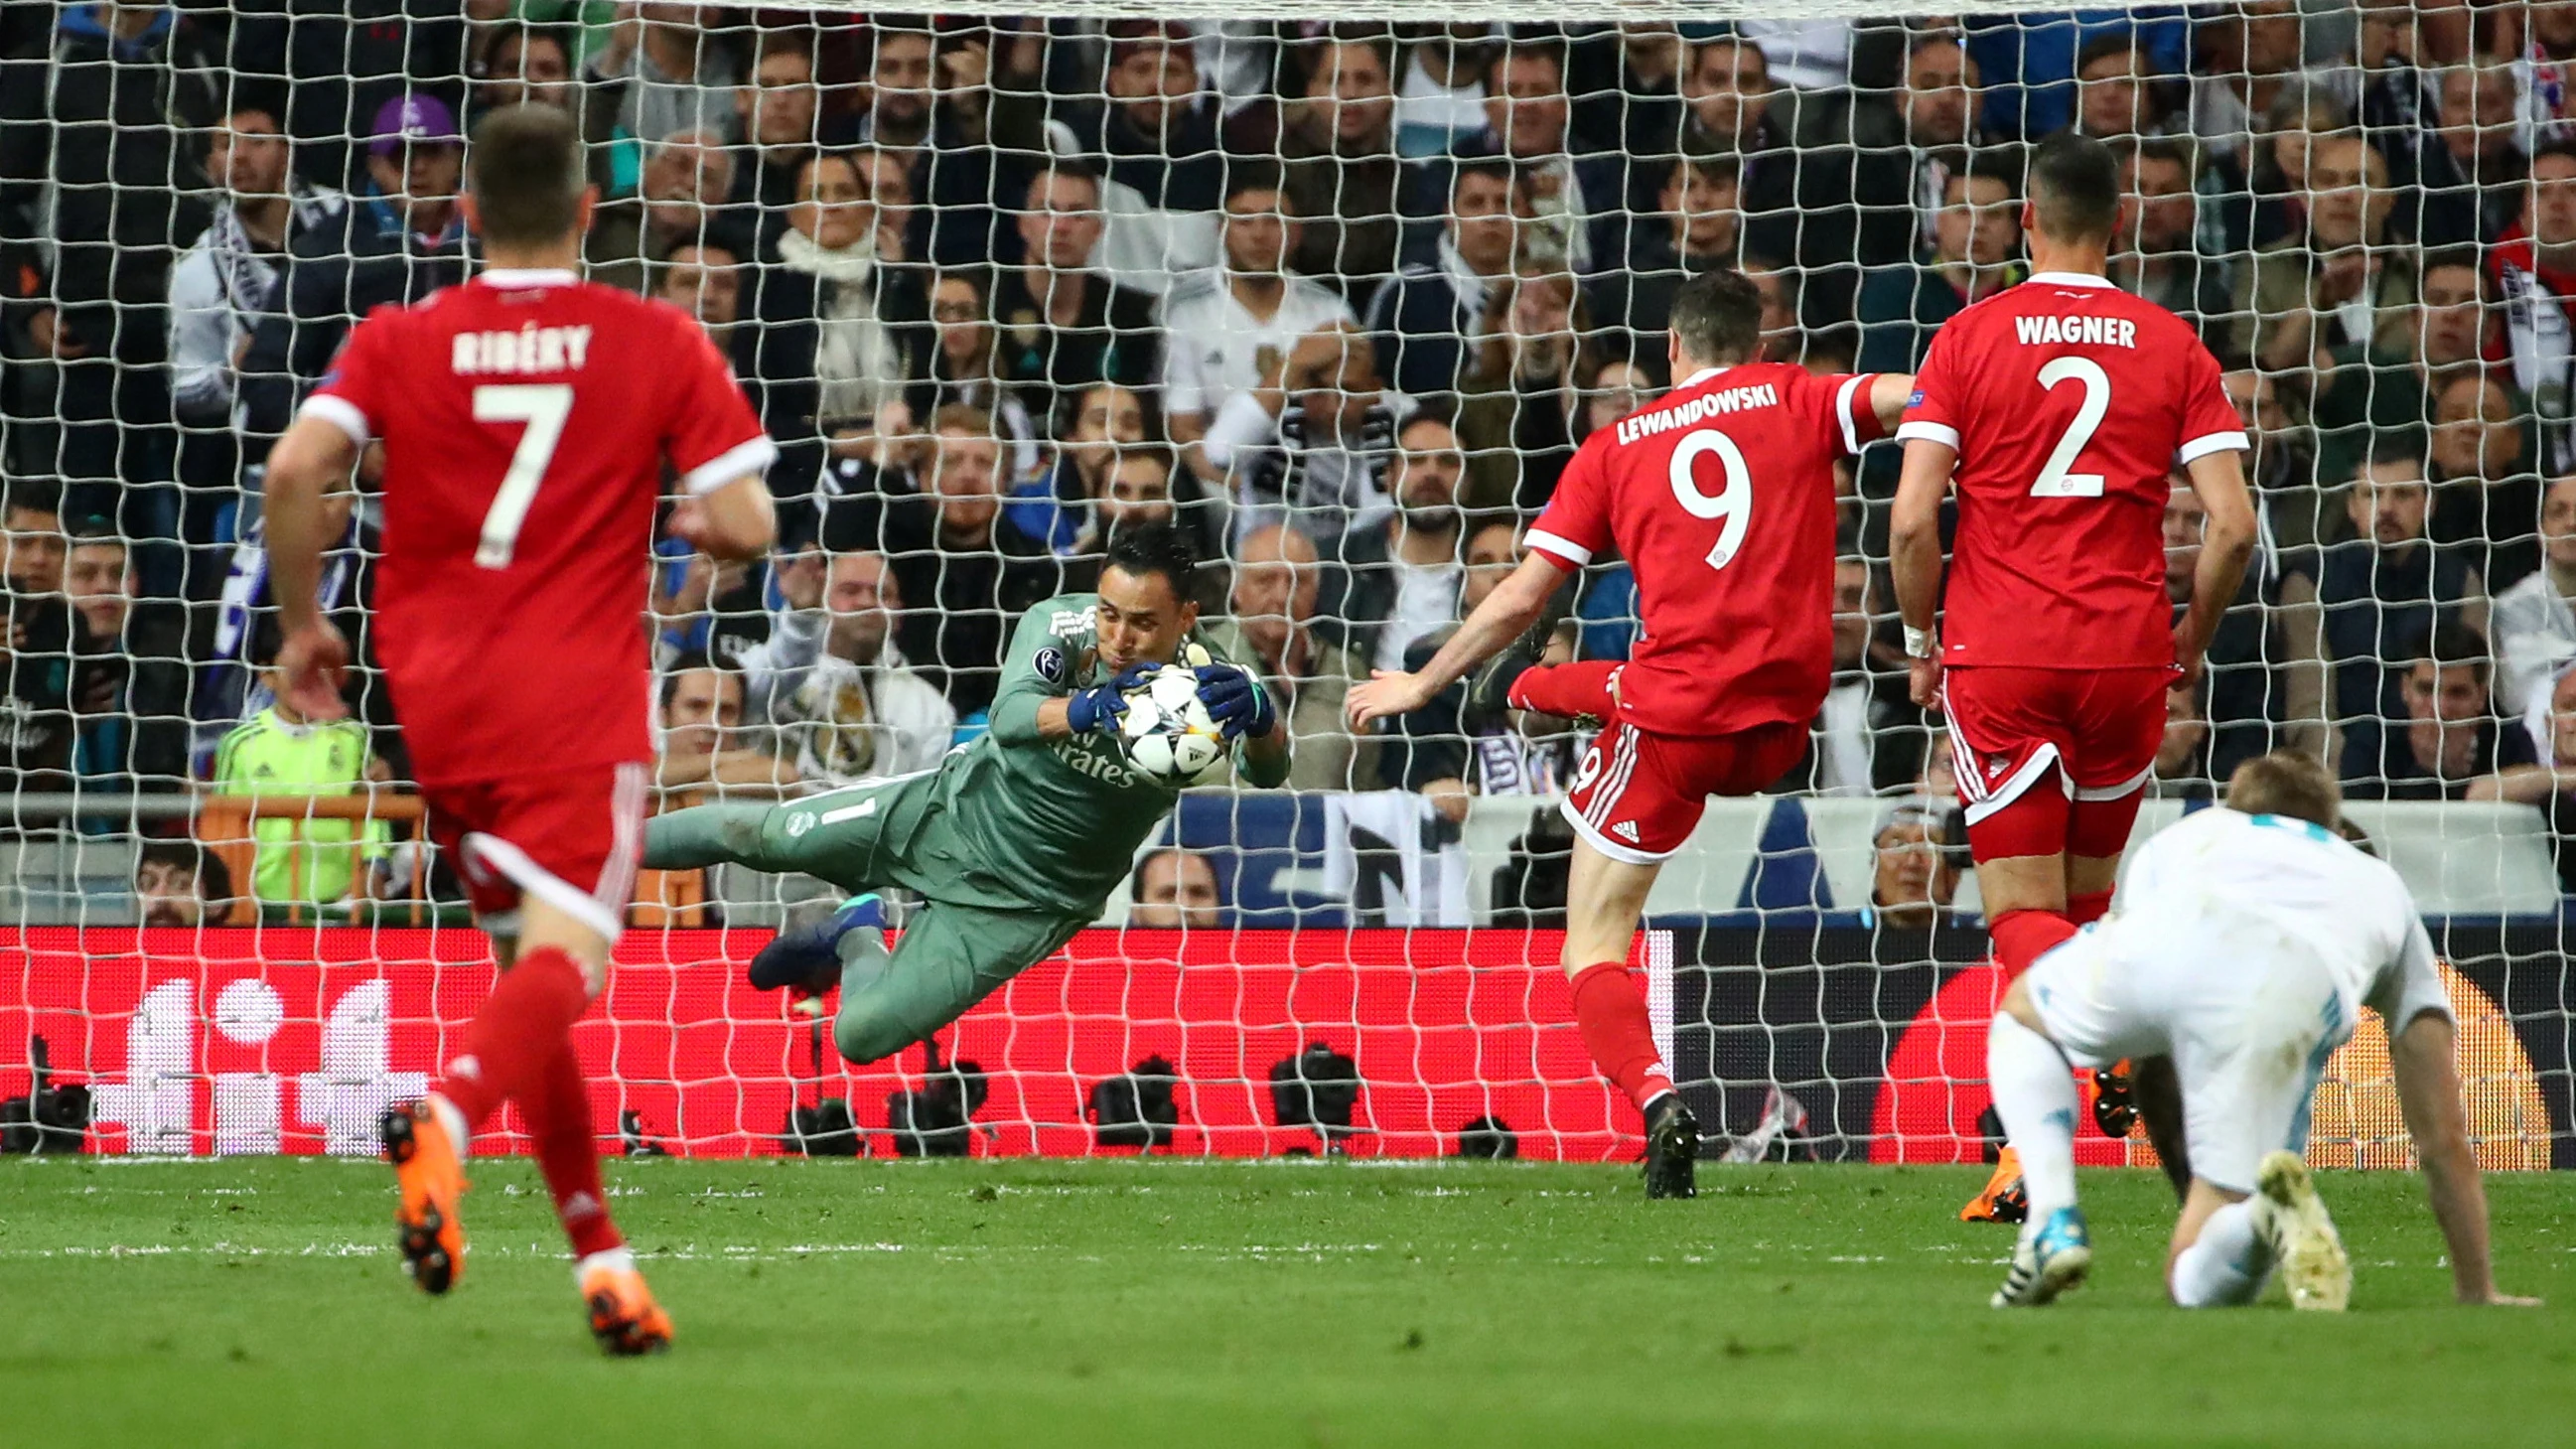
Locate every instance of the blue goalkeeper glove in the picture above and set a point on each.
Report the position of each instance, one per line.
(1098, 707)
(1236, 701)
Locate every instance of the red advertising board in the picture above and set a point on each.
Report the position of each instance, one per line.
(292, 1040)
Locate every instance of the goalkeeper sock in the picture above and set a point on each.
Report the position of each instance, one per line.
(2022, 937)
(526, 1019)
(2035, 1095)
(1611, 1013)
(2226, 1265)
(2084, 909)
(557, 1112)
(1567, 690)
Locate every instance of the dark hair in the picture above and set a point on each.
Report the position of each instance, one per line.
(2119, 42)
(2391, 448)
(1548, 49)
(33, 500)
(2180, 152)
(1490, 166)
(2462, 255)
(2563, 148)
(1717, 168)
(1068, 166)
(1252, 174)
(2000, 163)
(2292, 786)
(1155, 548)
(525, 172)
(806, 163)
(91, 532)
(527, 33)
(214, 878)
(2074, 186)
(687, 661)
(1717, 315)
(2448, 645)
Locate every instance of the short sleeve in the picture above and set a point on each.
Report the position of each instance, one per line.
(2412, 984)
(1849, 419)
(2209, 420)
(351, 396)
(1575, 525)
(712, 437)
(1932, 413)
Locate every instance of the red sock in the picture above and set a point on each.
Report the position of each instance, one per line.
(557, 1112)
(1567, 690)
(2022, 937)
(2088, 907)
(1611, 1013)
(529, 1016)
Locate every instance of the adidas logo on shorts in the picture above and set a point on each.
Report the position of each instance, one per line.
(1626, 830)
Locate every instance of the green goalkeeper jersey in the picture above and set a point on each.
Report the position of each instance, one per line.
(1019, 821)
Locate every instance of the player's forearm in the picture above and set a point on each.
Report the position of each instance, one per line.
(739, 522)
(1506, 614)
(2224, 554)
(1914, 530)
(305, 466)
(2428, 1090)
(1265, 757)
(1054, 720)
(1888, 397)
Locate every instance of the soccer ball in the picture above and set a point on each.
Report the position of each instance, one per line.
(1167, 732)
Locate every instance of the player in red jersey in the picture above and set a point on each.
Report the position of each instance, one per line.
(526, 419)
(1721, 497)
(2058, 409)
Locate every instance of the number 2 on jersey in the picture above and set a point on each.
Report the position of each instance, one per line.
(543, 408)
(2055, 480)
(1734, 503)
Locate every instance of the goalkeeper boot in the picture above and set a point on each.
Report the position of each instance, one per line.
(431, 1173)
(2290, 1216)
(1487, 708)
(2004, 1199)
(623, 1316)
(807, 959)
(2047, 1261)
(1672, 1148)
(2115, 1101)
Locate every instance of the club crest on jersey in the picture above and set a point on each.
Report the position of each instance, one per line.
(1049, 664)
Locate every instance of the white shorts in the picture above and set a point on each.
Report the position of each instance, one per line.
(2249, 1025)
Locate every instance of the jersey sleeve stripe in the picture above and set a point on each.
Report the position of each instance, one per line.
(1564, 548)
(2208, 443)
(1941, 433)
(340, 413)
(1843, 412)
(746, 459)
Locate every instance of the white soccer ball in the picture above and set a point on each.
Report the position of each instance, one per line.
(1168, 734)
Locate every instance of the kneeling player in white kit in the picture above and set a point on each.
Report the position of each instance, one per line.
(2244, 944)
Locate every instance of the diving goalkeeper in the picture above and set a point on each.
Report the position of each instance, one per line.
(1015, 841)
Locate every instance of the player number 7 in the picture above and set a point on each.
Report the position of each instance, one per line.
(1734, 503)
(543, 408)
(2054, 481)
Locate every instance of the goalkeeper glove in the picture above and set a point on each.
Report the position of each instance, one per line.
(1098, 707)
(1236, 701)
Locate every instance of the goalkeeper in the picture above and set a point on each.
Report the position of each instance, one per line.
(1015, 841)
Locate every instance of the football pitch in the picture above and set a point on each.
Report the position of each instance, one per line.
(966, 1303)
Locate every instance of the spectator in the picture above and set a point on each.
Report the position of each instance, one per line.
(2353, 608)
(1811, 55)
(2252, 59)
(35, 714)
(1065, 326)
(181, 885)
(1106, 420)
(1577, 213)
(1174, 890)
(2542, 72)
(1217, 326)
(1904, 152)
(1341, 173)
(1314, 443)
(1523, 425)
(129, 671)
(706, 282)
(1913, 876)
(2029, 60)
(2284, 469)
(2339, 283)
(2466, 164)
(1271, 626)
(901, 104)
(2533, 272)
(1441, 99)
(687, 179)
(962, 567)
(782, 122)
(522, 64)
(2448, 743)
(700, 737)
(963, 365)
(1783, 286)
(1797, 207)
(1398, 580)
(2535, 620)
(2364, 390)
(903, 225)
(2119, 94)
(2486, 499)
(1435, 753)
(662, 73)
(282, 751)
(1860, 710)
(824, 296)
(1696, 227)
(1141, 487)
(99, 188)
(832, 680)
(2183, 770)
(1627, 85)
(2247, 693)
(1424, 319)
(1976, 243)
(928, 113)
(2161, 260)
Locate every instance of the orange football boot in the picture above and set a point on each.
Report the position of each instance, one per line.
(623, 1316)
(432, 1176)
(2003, 1200)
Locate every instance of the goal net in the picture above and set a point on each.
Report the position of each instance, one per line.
(1339, 294)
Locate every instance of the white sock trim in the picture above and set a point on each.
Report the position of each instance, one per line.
(452, 1122)
(618, 1259)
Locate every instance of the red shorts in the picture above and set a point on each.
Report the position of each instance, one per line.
(571, 839)
(2096, 730)
(1638, 796)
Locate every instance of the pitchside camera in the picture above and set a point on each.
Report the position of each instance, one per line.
(1316, 1088)
(1490, 1138)
(48, 1118)
(1136, 1109)
(934, 1120)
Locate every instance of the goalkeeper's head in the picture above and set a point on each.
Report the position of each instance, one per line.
(1147, 608)
(525, 194)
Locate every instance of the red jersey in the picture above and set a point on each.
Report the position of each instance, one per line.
(2070, 403)
(1720, 495)
(526, 418)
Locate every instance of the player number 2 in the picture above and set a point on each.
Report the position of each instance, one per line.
(543, 408)
(2054, 480)
(1733, 503)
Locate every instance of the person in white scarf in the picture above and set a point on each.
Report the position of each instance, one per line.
(831, 679)
(231, 274)
(831, 239)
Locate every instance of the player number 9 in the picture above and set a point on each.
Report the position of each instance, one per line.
(1734, 503)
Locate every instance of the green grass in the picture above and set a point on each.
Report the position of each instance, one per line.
(1188, 1303)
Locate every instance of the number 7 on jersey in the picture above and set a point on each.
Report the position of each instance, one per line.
(543, 408)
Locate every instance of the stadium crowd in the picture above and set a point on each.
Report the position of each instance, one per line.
(1342, 299)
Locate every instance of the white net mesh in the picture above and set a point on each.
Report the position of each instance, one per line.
(1340, 295)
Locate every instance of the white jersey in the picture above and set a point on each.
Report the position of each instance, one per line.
(2236, 885)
